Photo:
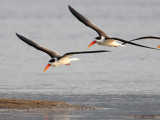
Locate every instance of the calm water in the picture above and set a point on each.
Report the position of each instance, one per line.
(124, 84)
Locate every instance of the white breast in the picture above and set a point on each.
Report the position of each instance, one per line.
(108, 42)
(61, 61)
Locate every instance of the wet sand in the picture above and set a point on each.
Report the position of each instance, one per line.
(20, 104)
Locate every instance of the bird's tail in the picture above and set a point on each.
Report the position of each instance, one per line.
(122, 45)
(74, 59)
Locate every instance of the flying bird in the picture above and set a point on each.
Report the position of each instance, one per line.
(56, 59)
(103, 39)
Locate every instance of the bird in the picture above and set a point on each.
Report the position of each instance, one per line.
(56, 59)
(103, 38)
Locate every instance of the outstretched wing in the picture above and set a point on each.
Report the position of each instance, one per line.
(128, 42)
(38, 47)
(87, 22)
(83, 52)
(142, 38)
(147, 37)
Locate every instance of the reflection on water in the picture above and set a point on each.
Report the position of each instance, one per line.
(36, 115)
(52, 116)
(123, 83)
(46, 115)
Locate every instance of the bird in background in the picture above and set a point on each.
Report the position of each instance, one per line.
(56, 59)
(103, 39)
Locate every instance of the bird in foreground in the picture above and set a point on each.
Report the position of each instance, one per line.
(56, 59)
(103, 39)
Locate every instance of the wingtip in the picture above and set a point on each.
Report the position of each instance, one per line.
(70, 8)
(103, 51)
(107, 51)
(17, 34)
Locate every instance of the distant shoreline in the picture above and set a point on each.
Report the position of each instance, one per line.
(20, 104)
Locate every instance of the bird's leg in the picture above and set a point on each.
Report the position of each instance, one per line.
(118, 45)
(68, 64)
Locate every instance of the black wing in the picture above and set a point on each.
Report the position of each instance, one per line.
(87, 22)
(142, 38)
(83, 52)
(38, 47)
(132, 43)
(147, 37)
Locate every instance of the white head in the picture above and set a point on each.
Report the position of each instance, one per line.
(52, 63)
(98, 39)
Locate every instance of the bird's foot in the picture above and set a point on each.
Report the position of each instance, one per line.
(68, 64)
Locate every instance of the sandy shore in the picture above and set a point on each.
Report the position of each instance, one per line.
(7, 103)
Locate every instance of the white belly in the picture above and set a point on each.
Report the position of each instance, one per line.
(109, 43)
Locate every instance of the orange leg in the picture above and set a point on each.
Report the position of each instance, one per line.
(68, 64)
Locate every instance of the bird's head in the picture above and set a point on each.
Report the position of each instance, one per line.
(97, 39)
(50, 63)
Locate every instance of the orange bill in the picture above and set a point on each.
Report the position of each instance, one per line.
(158, 47)
(92, 43)
(47, 67)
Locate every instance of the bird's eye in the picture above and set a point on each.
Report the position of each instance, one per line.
(98, 38)
(52, 60)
